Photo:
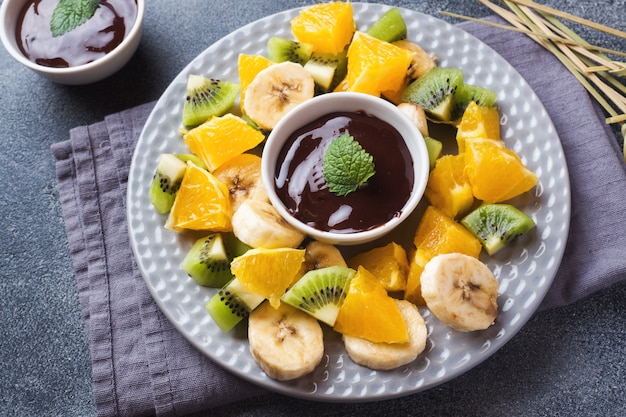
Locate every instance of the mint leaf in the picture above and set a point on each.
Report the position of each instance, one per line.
(347, 165)
(69, 14)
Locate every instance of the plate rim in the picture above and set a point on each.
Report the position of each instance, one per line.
(285, 388)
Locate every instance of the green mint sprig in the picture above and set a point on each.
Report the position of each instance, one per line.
(347, 166)
(69, 14)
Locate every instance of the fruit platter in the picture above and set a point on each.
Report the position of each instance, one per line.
(514, 265)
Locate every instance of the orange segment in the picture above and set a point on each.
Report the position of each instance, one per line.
(448, 188)
(222, 138)
(268, 272)
(436, 234)
(375, 66)
(249, 66)
(413, 291)
(326, 26)
(368, 312)
(421, 63)
(202, 203)
(389, 264)
(495, 172)
(478, 122)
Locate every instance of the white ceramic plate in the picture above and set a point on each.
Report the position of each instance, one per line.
(524, 270)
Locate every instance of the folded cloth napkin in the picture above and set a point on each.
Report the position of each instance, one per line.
(143, 366)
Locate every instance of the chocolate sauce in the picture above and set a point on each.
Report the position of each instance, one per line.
(300, 180)
(92, 40)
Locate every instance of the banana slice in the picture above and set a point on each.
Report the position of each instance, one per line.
(417, 115)
(257, 223)
(386, 356)
(460, 291)
(242, 176)
(320, 255)
(286, 342)
(422, 61)
(276, 90)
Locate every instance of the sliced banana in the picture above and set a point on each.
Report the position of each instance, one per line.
(417, 115)
(257, 223)
(242, 176)
(422, 61)
(286, 342)
(320, 255)
(276, 90)
(460, 291)
(386, 356)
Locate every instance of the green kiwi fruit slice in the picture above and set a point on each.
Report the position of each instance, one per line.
(193, 158)
(390, 27)
(320, 292)
(231, 304)
(283, 49)
(207, 97)
(207, 262)
(434, 92)
(327, 70)
(467, 93)
(434, 148)
(166, 182)
(497, 225)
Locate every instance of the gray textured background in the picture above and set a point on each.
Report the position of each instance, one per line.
(568, 361)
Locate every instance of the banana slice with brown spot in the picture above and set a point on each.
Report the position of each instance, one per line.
(242, 176)
(320, 255)
(386, 356)
(286, 342)
(417, 115)
(461, 291)
(276, 90)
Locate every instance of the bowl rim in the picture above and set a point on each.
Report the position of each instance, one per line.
(384, 110)
(10, 43)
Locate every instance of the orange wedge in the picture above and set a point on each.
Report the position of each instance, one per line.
(495, 172)
(376, 66)
(369, 312)
(202, 203)
(326, 26)
(222, 138)
(268, 272)
(387, 263)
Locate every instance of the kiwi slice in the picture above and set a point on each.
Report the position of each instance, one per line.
(467, 93)
(390, 27)
(435, 91)
(434, 148)
(207, 97)
(234, 247)
(327, 70)
(283, 49)
(193, 158)
(497, 225)
(166, 182)
(231, 304)
(320, 292)
(207, 262)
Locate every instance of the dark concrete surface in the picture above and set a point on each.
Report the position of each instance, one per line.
(564, 362)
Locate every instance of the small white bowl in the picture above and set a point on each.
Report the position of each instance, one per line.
(77, 75)
(325, 104)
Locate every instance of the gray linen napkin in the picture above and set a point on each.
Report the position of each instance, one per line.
(143, 366)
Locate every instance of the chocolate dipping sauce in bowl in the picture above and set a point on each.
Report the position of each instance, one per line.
(298, 184)
(44, 39)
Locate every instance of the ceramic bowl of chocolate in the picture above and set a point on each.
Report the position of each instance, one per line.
(345, 168)
(70, 42)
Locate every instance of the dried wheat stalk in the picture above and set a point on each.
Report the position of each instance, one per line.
(598, 73)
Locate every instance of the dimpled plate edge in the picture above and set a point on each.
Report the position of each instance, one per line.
(524, 270)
